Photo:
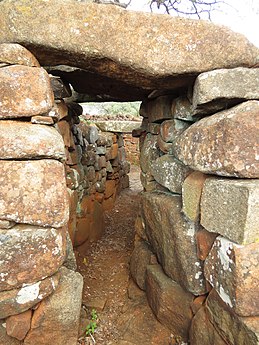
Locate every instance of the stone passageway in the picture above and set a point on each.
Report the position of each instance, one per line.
(124, 316)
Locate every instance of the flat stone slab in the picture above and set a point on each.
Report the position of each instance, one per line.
(15, 54)
(117, 126)
(112, 46)
(23, 140)
(34, 192)
(226, 143)
(215, 90)
(231, 208)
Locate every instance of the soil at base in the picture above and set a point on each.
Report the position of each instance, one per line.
(124, 317)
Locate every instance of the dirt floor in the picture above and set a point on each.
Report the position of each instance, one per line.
(122, 313)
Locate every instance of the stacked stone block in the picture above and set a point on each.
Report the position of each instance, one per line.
(200, 207)
(34, 210)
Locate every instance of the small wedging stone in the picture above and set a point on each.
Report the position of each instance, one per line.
(216, 90)
(24, 92)
(230, 207)
(226, 143)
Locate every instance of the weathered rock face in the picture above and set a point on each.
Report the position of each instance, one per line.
(15, 54)
(163, 296)
(17, 97)
(233, 271)
(163, 211)
(237, 203)
(61, 309)
(17, 326)
(215, 90)
(17, 301)
(97, 30)
(22, 182)
(223, 144)
(46, 248)
(21, 140)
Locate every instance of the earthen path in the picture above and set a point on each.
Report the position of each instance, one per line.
(124, 318)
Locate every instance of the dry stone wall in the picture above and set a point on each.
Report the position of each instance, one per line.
(197, 251)
(58, 176)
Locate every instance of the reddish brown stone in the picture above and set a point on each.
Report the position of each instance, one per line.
(204, 240)
(24, 91)
(169, 302)
(202, 331)
(197, 303)
(30, 253)
(171, 129)
(15, 54)
(108, 204)
(233, 271)
(17, 301)
(60, 110)
(42, 120)
(112, 152)
(4, 338)
(163, 146)
(65, 131)
(17, 326)
(83, 229)
(34, 192)
(22, 140)
(109, 188)
(56, 320)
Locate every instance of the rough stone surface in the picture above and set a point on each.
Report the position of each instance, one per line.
(163, 211)
(17, 326)
(171, 129)
(163, 296)
(30, 253)
(234, 329)
(89, 41)
(149, 152)
(233, 271)
(16, 301)
(216, 90)
(22, 140)
(117, 126)
(140, 259)
(15, 54)
(226, 143)
(24, 91)
(204, 240)
(191, 191)
(231, 208)
(159, 109)
(56, 320)
(4, 338)
(170, 173)
(34, 185)
(182, 109)
(203, 332)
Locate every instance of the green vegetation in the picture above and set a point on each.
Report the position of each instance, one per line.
(114, 108)
(92, 326)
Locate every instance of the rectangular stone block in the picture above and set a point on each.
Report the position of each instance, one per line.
(171, 129)
(169, 302)
(158, 109)
(233, 271)
(34, 192)
(24, 91)
(234, 329)
(23, 140)
(30, 253)
(170, 173)
(171, 236)
(149, 152)
(214, 90)
(231, 208)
